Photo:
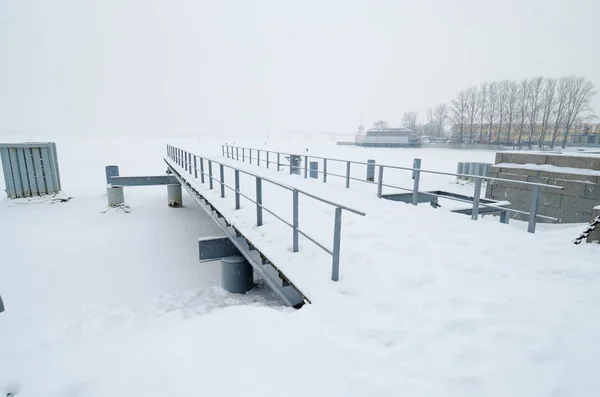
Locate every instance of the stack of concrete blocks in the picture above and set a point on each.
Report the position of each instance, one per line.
(579, 175)
(482, 169)
(594, 236)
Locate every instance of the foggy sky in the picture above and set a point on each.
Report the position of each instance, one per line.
(152, 67)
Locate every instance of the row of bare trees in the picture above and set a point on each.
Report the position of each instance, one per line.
(537, 110)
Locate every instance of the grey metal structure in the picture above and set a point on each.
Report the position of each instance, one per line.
(181, 165)
(237, 275)
(30, 169)
(416, 170)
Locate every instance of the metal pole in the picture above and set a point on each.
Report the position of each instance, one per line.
(259, 218)
(201, 170)
(237, 189)
(267, 159)
(243, 155)
(190, 158)
(222, 176)
(258, 157)
(278, 161)
(348, 174)
(535, 201)
(476, 196)
(250, 156)
(210, 177)
(380, 181)
(324, 170)
(305, 166)
(223, 150)
(417, 176)
(337, 231)
(237, 153)
(291, 164)
(185, 160)
(195, 167)
(295, 221)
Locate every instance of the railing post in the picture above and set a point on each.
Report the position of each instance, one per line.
(190, 161)
(258, 157)
(337, 232)
(243, 155)
(250, 156)
(201, 170)
(185, 160)
(380, 181)
(210, 177)
(223, 150)
(237, 189)
(417, 176)
(259, 217)
(195, 167)
(295, 221)
(237, 153)
(222, 178)
(347, 174)
(324, 170)
(291, 164)
(278, 161)
(267, 158)
(476, 196)
(305, 166)
(535, 201)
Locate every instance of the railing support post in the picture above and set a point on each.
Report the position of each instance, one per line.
(250, 156)
(259, 214)
(324, 170)
(223, 150)
(195, 167)
(201, 170)
(190, 162)
(243, 155)
(476, 196)
(222, 178)
(278, 161)
(380, 181)
(295, 221)
(347, 174)
(237, 189)
(258, 157)
(237, 153)
(416, 176)
(210, 176)
(267, 158)
(305, 166)
(535, 201)
(337, 231)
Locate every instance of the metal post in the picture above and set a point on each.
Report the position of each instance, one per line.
(210, 178)
(195, 167)
(237, 153)
(305, 166)
(258, 157)
(324, 170)
(237, 189)
(371, 170)
(348, 174)
(201, 170)
(190, 162)
(380, 181)
(504, 217)
(250, 156)
(291, 164)
(337, 231)
(476, 195)
(259, 218)
(222, 177)
(267, 159)
(110, 171)
(243, 155)
(535, 201)
(278, 161)
(295, 221)
(185, 160)
(223, 150)
(416, 176)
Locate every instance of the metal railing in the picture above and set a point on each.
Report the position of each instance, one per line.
(233, 152)
(189, 163)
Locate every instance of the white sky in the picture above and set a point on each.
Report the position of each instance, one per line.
(79, 67)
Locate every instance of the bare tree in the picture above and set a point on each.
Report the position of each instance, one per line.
(380, 125)
(409, 119)
(502, 96)
(472, 109)
(548, 104)
(522, 107)
(562, 96)
(493, 90)
(581, 91)
(535, 88)
(459, 112)
(483, 98)
(440, 115)
(511, 106)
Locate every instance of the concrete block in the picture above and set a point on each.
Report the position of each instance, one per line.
(522, 178)
(592, 191)
(536, 179)
(524, 158)
(569, 177)
(519, 171)
(574, 189)
(578, 204)
(550, 199)
(567, 215)
(590, 163)
(499, 157)
(594, 236)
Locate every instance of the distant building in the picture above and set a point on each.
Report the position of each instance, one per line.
(387, 137)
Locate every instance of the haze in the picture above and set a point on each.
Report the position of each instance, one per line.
(264, 68)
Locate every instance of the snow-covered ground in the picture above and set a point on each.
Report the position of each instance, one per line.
(100, 304)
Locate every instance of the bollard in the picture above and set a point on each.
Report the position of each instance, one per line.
(111, 170)
(475, 171)
(459, 169)
(174, 195)
(371, 170)
(314, 169)
(115, 195)
(237, 275)
(471, 171)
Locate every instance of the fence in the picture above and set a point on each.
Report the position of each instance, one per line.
(190, 162)
(234, 152)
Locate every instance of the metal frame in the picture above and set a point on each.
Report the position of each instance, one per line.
(416, 170)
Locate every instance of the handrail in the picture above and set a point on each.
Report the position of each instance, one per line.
(416, 170)
(189, 163)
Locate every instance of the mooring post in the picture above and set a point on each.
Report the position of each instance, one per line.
(222, 179)
(535, 200)
(237, 189)
(337, 231)
(111, 170)
(201, 170)
(237, 275)
(347, 174)
(416, 176)
(259, 217)
(476, 196)
(314, 169)
(371, 170)
(305, 166)
(210, 176)
(295, 220)
(380, 181)
(324, 170)
(174, 195)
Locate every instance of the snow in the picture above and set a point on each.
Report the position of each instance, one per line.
(550, 168)
(428, 302)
